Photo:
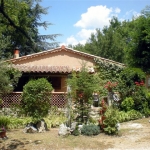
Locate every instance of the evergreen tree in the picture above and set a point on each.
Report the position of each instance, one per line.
(138, 48)
(108, 42)
(8, 78)
(19, 20)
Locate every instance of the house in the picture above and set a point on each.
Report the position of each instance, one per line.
(56, 65)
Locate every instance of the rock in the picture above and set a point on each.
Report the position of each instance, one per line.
(79, 128)
(63, 130)
(41, 126)
(30, 129)
(118, 126)
(73, 126)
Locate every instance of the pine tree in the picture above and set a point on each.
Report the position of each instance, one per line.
(19, 20)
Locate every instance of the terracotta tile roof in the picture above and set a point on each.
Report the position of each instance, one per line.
(54, 69)
(62, 48)
(42, 69)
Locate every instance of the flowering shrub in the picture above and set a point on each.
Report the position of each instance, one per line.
(82, 85)
(139, 83)
(128, 79)
(110, 85)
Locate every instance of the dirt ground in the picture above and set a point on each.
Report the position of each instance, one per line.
(133, 135)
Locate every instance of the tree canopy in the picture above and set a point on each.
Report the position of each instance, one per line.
(127, 42)
(19, 21)
(138, 47)
(108, 42)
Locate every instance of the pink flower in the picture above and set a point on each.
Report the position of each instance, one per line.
(110, 84)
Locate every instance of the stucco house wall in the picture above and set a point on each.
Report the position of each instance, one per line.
(58, 62)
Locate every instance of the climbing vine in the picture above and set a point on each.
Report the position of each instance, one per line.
(109, 71)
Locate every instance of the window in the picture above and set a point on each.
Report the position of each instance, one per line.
(55, 81)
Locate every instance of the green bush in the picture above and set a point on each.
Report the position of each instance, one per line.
(127, 104)
(10, 122)
(123, 116)
(82, 85)
(20, 122)
(55, 118)
(130, 115)
(133, 114)
(146, 109)
(4, 121)
(36, 98)
(111, 121)
(90, 130)
(127, 79)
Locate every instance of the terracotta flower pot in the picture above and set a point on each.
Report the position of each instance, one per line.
(2, 134)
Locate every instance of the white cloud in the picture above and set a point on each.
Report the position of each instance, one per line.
(85, 33)
(81, 37)
(117, 10)
(71, 40)
(95, 17)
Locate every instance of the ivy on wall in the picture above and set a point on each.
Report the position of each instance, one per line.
(109, 71)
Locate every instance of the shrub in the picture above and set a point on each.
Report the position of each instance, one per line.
(133, 114)
(36, 98)
(146, 109)
(8, 78)
(130, 115)
(127, 104)
(128, 77)
(55, 117)
(90, 130)
(4, 121)
(111, 121)
(10, 122)
(82, 85)
(123, 116)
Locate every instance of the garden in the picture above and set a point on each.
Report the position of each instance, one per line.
(122, 98)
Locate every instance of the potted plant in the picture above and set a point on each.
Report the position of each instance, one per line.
(2, 132)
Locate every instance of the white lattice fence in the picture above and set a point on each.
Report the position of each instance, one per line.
(11, 99)
(59, 99)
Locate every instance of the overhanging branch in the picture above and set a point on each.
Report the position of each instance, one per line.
(14, 25)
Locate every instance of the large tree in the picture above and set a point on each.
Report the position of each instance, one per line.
(138, 48)
(19, 20)
(108, 42)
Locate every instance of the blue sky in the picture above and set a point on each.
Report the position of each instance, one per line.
(77, 19)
